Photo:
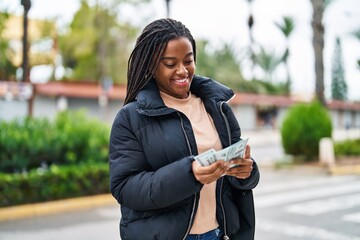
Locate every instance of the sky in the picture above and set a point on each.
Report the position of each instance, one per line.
(226, 22)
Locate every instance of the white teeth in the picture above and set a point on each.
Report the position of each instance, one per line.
(181, 80)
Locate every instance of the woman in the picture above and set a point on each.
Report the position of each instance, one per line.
(169, 116)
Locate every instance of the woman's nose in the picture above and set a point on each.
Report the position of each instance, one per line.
(181, 70)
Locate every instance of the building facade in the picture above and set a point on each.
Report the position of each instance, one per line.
(253, 111)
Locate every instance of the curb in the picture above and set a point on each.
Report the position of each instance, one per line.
(340, 169)
(344, 169)
(54, 207)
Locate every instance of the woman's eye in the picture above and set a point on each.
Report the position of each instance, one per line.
(189, 62)
(169, 65)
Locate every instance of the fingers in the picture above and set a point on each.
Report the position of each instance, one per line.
(214, 171)
(209, 173)
(247, 152)
(244, 166)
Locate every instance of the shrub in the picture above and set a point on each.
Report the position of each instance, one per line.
(24, 143)
(32, 142)
(57, 182)
(302, 129)
(79, 138)
(347, 148)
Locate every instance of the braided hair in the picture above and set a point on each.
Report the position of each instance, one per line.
(149, 48)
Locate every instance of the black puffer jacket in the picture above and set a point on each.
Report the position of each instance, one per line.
(151, 150)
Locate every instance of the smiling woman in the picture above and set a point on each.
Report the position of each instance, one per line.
(169, 116)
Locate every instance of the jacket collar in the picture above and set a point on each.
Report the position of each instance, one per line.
(150, 103)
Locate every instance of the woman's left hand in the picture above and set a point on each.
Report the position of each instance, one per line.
(244, 166)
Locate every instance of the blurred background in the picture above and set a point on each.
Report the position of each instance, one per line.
(295, 68)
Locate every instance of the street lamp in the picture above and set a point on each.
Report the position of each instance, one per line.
(27, 6)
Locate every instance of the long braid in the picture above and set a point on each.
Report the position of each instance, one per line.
(148, 50)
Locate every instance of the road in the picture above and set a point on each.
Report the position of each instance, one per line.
(311, 205)
(290, 205)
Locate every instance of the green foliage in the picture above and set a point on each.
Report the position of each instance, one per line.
(286, 26)
(338, 84)
(223, 65)
(302, 129)
(347, 148)
(24, 143)
(80, 138)
(7, 68)
(220, 64)
(268, 61)
(56, 182)
(72, 138)
(97, 45)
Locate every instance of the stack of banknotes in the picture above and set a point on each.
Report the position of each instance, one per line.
(235, 150)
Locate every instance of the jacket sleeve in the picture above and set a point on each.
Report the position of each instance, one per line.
(252, 181)
(133, 184)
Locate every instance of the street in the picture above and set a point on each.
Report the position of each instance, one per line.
(293, 204)
(290, 204)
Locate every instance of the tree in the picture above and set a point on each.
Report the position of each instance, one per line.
(338, 84)
(7, 68)
(221, 64)
(268, 62)
(286, 27)
(318, 45)
(97, 45)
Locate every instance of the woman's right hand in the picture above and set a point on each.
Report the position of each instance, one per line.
(210, 173)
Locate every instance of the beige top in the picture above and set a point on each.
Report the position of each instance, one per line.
(206, 137)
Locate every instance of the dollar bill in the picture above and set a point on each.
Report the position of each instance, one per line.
(236, 150)
(206, 158)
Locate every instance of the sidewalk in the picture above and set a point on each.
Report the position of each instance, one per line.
(273, 137)
(55, 207)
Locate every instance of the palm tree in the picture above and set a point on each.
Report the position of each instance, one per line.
(268, 62)
(318, 45)
(287, 26)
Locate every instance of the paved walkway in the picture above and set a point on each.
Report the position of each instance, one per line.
(273, 137)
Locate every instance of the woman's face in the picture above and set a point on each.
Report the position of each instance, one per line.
(176, 68)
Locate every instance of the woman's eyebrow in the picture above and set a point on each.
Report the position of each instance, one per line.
(174, 58)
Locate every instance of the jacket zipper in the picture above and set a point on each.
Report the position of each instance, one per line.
(222, 180)
(194, 202)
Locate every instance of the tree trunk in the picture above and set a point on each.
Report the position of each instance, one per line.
(318, 44)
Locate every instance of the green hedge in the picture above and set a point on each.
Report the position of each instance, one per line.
(347, 148)
(71, 138)
(57, 182)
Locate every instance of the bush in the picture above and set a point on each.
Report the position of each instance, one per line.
(24, 143)
(79, 138)
(347, 148)
(302, 129)
(72, 138)
(57, 182)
